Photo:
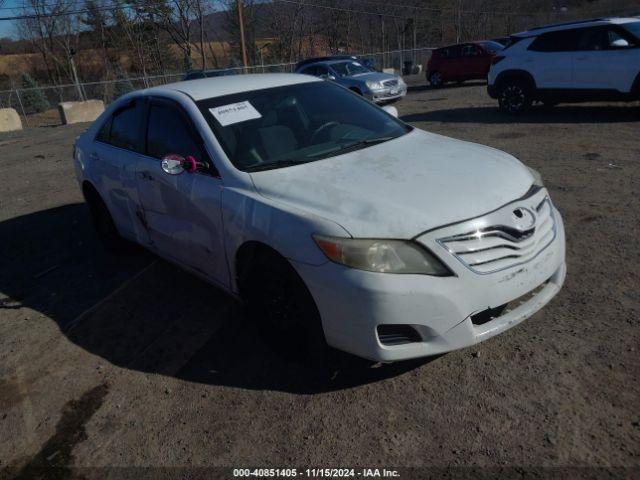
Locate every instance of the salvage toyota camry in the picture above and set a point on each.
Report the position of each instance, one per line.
(333, 220)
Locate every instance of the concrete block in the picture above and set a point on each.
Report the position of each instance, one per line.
(9, 120)
(77, 112)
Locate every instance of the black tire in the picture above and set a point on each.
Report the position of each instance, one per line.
(514, 96)
(436, 80)
(282, 307)
(105, 228)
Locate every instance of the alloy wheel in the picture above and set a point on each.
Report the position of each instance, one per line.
(513, 98)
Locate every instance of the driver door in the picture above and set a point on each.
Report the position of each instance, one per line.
(182, 212)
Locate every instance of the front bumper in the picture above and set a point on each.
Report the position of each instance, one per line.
(387, 94)
(352, 303)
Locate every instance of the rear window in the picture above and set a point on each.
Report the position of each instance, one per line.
(560, 41)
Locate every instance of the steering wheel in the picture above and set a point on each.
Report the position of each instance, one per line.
(321, 129)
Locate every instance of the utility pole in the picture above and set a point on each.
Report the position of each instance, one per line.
(74, 72)
(243, 44)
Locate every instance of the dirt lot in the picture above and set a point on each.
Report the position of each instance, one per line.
(108, 361)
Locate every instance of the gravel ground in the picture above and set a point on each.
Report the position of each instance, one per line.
(127, 361)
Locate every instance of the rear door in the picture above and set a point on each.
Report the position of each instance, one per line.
(451, 64)
(114, 158)
(473, 63)
(182, 212)
(549, 59)
(607, 59)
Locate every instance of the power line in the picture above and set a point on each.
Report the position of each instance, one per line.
(293, 2)
(382, 3)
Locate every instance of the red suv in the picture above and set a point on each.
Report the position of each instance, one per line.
(465, 61)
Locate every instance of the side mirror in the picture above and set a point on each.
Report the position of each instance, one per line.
(391, 110)
(175, 164)
(620, 43)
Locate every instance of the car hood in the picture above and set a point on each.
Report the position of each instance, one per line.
(400, 188)
(374, 76)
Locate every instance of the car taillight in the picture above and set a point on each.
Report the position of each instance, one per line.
(497, 59)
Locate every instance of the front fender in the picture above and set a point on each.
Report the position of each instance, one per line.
(250, 217)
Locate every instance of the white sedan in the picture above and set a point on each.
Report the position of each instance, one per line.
(333, 220)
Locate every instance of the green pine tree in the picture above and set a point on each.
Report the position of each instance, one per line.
(33, 98)
(122, 86)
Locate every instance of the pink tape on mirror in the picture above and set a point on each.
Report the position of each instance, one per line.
(190, 164)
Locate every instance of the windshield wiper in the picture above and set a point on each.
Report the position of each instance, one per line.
(271, 165)
(366, 143)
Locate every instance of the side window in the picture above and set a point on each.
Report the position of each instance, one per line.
(619, 39)
(169, 132)
(310, 70)
(455, 52)
(561, 41)
(126, 131)
(322, 71)
(469, 51)
(104, 132)
(593, 39)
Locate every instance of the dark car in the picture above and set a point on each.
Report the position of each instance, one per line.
(194, 74)
(504, 41)
(309, 61)
(464, 61)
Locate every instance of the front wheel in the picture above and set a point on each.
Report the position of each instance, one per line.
(514, 96)
(282, 307)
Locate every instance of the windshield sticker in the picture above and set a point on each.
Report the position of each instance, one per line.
(235, 113)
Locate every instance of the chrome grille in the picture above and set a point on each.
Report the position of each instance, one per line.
(497, 247)
(390, 83)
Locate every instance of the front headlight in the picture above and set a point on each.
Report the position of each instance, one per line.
(537, 178)
(374, 85)
(384, 256)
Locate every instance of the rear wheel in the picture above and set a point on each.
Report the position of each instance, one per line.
(436, 80)
(283, 309)
(514, 96)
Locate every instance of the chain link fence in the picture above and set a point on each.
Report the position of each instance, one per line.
(38, 106)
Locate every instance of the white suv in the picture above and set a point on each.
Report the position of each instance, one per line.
(573, 62)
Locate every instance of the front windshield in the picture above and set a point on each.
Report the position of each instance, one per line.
(283, 126)
(348, 69)
(634, 28)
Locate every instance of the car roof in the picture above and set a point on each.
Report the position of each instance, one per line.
(594, 22)
(211, 87)
(314, 60)
(462, 44)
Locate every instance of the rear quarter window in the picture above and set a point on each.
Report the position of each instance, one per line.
(560, 41)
